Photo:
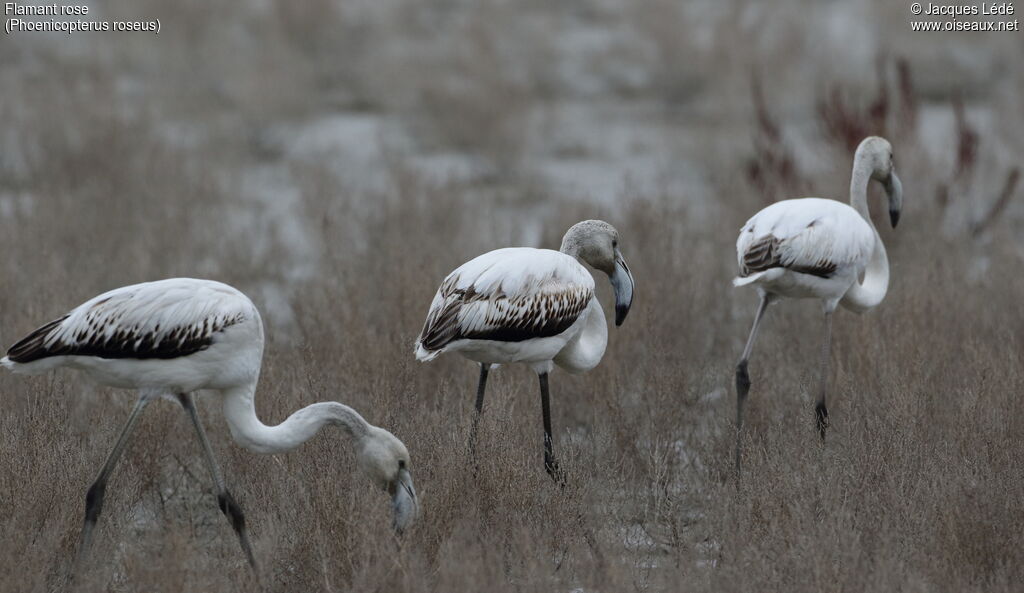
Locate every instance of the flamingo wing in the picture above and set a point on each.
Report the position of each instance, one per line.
(164, 319)
(810, 236)
(506, 295)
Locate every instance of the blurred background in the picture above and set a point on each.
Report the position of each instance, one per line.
(334, 159)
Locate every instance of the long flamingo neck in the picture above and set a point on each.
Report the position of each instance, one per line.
(869, 293)
(859, 181)
(302, 425)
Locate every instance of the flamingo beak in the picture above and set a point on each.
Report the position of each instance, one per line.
(404, 505)
(894, 188)
(622, 284)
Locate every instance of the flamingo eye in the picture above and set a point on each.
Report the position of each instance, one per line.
(401, 464)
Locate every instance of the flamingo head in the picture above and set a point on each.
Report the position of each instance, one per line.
(597, 243)
(385, 460)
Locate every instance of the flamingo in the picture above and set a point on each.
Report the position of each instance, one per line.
(531, 306)
(173, 337)
(817, 248)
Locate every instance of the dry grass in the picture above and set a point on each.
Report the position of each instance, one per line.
(916, 489)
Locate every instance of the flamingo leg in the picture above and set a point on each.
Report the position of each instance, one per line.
(550, 465)
(820, 410)
(94, 496)
(742, 377)
(480, 389)
(227, 503)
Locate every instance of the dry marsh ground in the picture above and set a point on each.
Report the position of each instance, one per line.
(111, 174)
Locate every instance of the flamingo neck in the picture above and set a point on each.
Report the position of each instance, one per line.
(302, 425)
(859, 188)
(584, 351)
(868, 293)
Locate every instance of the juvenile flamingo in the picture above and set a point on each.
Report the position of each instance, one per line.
(530, 306)
(174, 337)
(815, 248)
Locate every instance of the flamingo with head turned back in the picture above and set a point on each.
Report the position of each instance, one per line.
(530, 306)
(174, 337)
(815, 248)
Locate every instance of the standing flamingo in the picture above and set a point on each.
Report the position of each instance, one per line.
(534, 306)
(815, 248)
(174, 337)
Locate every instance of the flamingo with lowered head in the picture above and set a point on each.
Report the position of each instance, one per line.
(173, 337)
(816, 248)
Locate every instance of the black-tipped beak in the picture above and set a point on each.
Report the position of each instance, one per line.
(622, 283)
(894, 188)
(404, 505)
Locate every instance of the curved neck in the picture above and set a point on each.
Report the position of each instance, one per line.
(867, 294)
(584, 351)
(302, 425)
(859, 181)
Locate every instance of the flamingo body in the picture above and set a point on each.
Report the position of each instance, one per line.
(172, 336)
(514, 305)
(804, 248)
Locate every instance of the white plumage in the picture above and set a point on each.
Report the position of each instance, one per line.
(152, 336)
(528, 298)
(815, 248)
(534, 306)
(167, 314)
(173, 337)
